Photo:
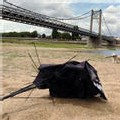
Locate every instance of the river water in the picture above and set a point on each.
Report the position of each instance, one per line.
(104, 52)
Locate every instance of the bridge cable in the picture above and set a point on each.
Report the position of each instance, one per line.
(75, 18)
(106, 25)
(101, 28)
(54, 18)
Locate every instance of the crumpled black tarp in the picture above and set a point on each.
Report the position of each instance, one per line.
(70, 80)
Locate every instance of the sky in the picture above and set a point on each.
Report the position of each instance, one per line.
(66, 9)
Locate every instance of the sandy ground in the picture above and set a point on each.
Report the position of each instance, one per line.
(18, 71)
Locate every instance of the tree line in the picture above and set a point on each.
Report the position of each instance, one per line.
(65, 35)
(20, 34)
(54, 35)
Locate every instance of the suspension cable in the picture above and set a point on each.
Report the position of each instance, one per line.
(72, 18)
(102, 27)
(75, 18)
(106, 25)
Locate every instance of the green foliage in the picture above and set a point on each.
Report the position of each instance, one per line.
(75, 35)
(66, 36)
(43, 36)
(55, 33)
(24, 34)
(48, 44)
(11, 34)
(20, 34)
(34, 34)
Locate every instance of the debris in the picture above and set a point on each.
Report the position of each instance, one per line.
(71, 79)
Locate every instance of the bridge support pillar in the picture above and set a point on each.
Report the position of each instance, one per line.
(94, 42)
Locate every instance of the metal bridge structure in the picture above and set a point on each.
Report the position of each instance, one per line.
(15, 13)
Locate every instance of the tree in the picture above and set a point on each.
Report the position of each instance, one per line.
(10, 34)
(55, 33)
(43, 35)
(20, 34)
(34, 34)
(75, 35)
(25, 34)
(66, 36)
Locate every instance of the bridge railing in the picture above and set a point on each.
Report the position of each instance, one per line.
(29, 13)
(40, 16)
(13, 9)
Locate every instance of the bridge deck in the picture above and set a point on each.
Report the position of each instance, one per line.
(21, 15)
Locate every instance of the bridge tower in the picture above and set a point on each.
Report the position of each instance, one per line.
(95, 15)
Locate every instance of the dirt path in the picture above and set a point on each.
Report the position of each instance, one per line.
(17, 71)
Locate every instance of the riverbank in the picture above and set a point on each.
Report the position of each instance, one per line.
(56, 43)
(18, 71)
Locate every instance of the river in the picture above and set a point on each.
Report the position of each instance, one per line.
(104, 52)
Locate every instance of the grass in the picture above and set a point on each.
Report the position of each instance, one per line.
(60, 45)
(53, 44)
(47, 44)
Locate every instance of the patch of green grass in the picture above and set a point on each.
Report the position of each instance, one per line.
(15, 41)
(47, 44)
(59, 45)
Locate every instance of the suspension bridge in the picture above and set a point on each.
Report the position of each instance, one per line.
(11, 12)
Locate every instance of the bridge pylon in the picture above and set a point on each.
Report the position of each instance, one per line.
(95, 15)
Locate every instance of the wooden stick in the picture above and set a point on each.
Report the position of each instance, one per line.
(37, 54)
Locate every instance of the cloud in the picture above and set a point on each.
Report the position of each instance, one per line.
(8, 26)
(71, 1)
(42, 7)
(49, 9)
(63, 9)
(112, 9)
(1, 2)
(112, 17)
(46, 7)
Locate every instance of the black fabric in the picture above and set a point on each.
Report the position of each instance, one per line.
(70, 80)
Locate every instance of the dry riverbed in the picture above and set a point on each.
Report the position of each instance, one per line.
(18, 71)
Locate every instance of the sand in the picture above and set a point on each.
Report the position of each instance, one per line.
(18, 72)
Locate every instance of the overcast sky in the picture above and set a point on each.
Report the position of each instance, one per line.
(66, 9)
